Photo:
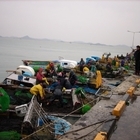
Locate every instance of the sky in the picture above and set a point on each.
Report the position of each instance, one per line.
(94, 21)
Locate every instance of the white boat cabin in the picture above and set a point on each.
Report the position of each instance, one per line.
(16, 79)
(67, 63)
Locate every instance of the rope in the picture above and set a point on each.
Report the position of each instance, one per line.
(90, 132)
(102, 122)
(42, 116)
(106, 120)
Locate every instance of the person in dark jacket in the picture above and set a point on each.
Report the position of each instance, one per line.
(64, 82)
(81, 64)
(72, 78)
(137, 60)
(109, 67)
(67, 83)
(57, 94)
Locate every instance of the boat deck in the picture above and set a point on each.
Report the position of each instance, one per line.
(100, 119)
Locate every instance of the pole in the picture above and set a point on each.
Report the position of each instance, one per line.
(133, 37)
(133, 40)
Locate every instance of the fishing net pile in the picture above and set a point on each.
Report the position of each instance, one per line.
(9, 135)
(82, 79)
(4, 100)
(85, 107)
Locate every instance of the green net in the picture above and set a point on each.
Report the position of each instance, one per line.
(126, 67)
(25, 94)
(23, 97)
(9, 135)
(59, 68)
(113, 62)
(36, 68)
(85, 108)
(82, 79)
(80, 91)
(4, 100)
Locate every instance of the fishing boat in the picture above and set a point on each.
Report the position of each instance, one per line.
(17, 87)
(30, 121)
(36, 64)
(117, 70)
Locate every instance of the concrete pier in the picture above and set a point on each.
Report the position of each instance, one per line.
(100, 119)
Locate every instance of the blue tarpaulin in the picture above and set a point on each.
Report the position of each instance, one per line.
(87, 89)
(90, 90)
(61, 125)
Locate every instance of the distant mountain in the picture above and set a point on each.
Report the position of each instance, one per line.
(81, 42)
(25, 37)
(99, 44)
(121, 45)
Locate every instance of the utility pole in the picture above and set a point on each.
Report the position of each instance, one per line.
(133, 36)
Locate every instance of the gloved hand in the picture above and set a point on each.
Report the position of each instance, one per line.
(45, 79)
(63, 89)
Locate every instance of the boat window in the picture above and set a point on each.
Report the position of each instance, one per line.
(65, 63)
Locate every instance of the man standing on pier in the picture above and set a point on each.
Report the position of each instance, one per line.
(137, 60)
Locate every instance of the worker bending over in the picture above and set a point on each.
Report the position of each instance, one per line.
(39, 91)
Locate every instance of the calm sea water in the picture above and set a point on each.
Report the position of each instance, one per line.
(14, 50)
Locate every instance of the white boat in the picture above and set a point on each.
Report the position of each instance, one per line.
(67, 63)
(18, 80)
(25, 70)
(36, 64)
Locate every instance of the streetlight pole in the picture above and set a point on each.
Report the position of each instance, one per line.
(133, 36)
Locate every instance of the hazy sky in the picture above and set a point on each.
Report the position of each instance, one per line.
(96, 21)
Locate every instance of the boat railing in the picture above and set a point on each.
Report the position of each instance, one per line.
(31, 120)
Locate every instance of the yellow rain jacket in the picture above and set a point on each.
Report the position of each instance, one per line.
(48, 67)
(38, 89)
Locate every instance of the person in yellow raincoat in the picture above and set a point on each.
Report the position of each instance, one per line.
(86, 70)
(50, 69)
(39, 91)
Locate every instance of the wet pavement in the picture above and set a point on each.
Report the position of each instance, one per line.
(128, 126)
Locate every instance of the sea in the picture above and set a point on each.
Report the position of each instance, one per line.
(14, 50)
